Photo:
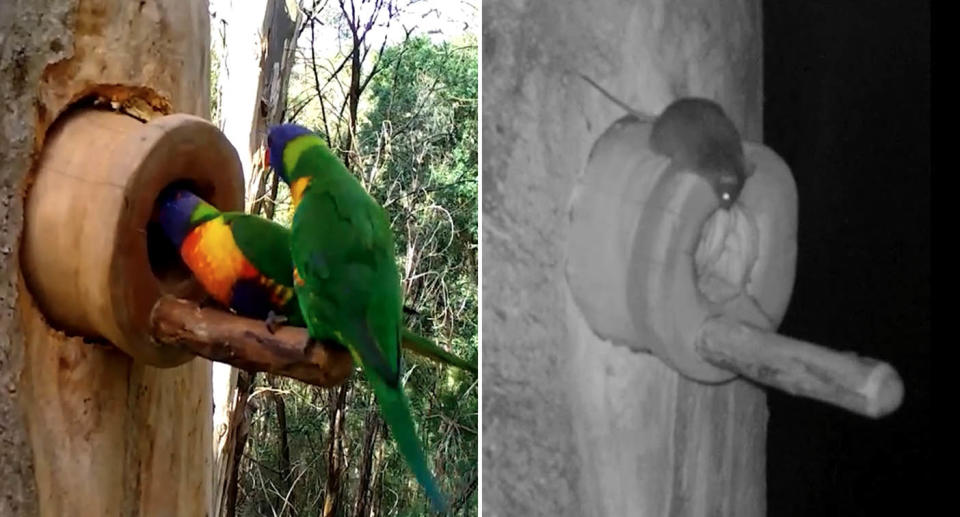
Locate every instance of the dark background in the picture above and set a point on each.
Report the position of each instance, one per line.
(848, 107)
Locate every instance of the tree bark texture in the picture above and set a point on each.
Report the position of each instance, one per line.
(285, 496)
(279, 32)
(335, 460)
(237, 435)
(82, 426)
(376, 485)
(371, 426)
(248, 344)
(575, 425)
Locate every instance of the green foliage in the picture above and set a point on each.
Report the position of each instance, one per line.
(416, 152)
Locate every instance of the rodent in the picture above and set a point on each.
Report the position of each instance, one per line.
(697, 135)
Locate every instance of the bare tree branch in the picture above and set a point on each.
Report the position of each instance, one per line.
(247, 344)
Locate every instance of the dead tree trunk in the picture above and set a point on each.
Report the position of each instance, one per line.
(280, 29)
(239, 430)
(82, 425)
(371, 425)
(332, 499)
(376, 485)
(283, 450)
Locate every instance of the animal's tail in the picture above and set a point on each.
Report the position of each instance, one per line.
(396, 412)
(427, 348)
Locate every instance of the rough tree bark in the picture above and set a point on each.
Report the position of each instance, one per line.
(376, 490)
(239, 430)
(283, 446)
(82, 426)
(335, 460)
(280, 28)
(371, 426)
(574, 425)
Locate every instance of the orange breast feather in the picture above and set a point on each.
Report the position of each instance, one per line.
(213, 256)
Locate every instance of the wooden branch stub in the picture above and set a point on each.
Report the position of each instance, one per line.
(246, 343)
(862, 385)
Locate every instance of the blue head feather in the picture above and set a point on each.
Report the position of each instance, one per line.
(174, 209)
(277, 139)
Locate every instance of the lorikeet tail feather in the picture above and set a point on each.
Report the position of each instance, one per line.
(427, 348)
(395, 411)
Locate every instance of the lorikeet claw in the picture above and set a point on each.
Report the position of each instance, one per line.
(274, 321)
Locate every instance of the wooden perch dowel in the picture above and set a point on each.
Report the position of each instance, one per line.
(862, 385)
(246, 343)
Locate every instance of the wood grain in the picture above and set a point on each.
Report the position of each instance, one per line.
(248, 344)
(859, 384)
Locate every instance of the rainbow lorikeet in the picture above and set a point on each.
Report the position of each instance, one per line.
(346, 276)
(243, 261)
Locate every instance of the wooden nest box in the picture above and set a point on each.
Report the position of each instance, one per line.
(90, 254)
(655, 266)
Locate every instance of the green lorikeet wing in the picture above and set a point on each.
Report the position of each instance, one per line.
(266, 245)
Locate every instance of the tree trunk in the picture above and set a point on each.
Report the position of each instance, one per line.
(244, 48)
(371, 426)
(573, 424)
(335, 460)
(280, 29)
(237, 435)
(237, 75)
(274, 47)
(283, 450)
(376, 485)
(84, 426)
